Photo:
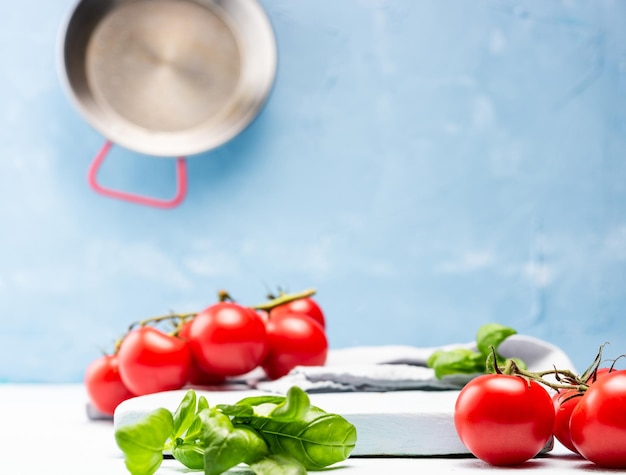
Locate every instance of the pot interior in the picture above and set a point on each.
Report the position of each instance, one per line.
(169, 77)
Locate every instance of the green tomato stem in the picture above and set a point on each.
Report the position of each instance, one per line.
(283, 299)
(572, 381)
(161, 318)
(223, 296)
(179, 318)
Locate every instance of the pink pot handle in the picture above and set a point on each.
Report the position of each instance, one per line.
(181, 180)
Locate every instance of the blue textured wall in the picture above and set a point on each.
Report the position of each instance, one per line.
(428, 166)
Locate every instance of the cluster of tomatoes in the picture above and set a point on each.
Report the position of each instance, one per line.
(222, 341)
(507, 419)
(593, 423)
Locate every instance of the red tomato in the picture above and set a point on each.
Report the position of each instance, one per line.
(293, 340)
(197, 376)
(151, 361)
(564, 403)
(598, 423)
(104, 384)
(304, 306)
(264, 314)
(502, 419)
(227, 339)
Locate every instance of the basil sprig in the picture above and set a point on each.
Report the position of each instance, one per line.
(469, 362)
(272, 435)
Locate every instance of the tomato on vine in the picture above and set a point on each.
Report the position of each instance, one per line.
(198, 376)
(565, 401)
(104, 384)
(598, 422)
(301, 306)
(151, 361)
(293, 340)
(296, 332)
(227, 339)
(504, 419)
(564, 404)
(205, 348)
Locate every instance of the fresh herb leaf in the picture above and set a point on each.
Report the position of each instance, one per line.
(258, 400)
(190, 454)
(278, 465)
(469, 362)
(184, 414)
(312, 436)
(195, 428)
(202, 404)
(277, 435)
(294, 407)
(189, 450)
(227, 445)
(492, 334)
(236, 410)
(143, 442)
(317, 441)
(458, 361)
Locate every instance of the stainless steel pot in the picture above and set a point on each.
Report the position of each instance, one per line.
(167, 78)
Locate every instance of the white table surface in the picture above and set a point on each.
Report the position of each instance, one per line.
(45, 430)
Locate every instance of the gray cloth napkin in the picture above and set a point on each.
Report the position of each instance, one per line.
(395, 368)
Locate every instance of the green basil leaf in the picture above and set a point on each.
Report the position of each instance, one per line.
(195, 428)
(492, 334)
(467, 361)
(194, 431)
(227, 445)
(318, 440)
(458, 361)
(236, 410)
(256, 447)
(294, 407)
(261, 405)
(184, 414)
(142, 442)
(219, 455)
(258, 400)
(430, 362)
(278, 465)
(191, 455)
(202, 404)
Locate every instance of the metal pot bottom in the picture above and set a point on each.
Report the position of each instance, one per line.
(163, 65)
(169, 77)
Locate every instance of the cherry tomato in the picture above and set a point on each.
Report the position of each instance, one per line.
(227, 339)
(503, 419)
(104, 384)
(151, 361)
(293, 340)
(305, 306)
(564, 403)
(598, 423)
(264, 314)
(197, 376)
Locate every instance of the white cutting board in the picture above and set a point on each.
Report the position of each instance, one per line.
(390, 423)
(413, 422)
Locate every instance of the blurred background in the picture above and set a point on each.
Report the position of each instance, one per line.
(426, 166)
